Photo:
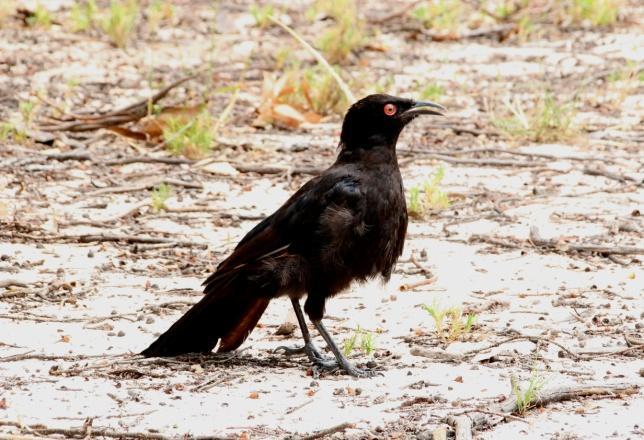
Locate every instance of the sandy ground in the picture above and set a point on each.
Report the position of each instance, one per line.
(73, 314)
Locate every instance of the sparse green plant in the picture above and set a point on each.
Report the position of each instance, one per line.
(550, 121)
(320, 91)
(414, 208)
(595, 12)
(438, 313)
(158, 11)
(10, 130)
(527, 399)
(442, 15)
(72, 82)
(40, 18)
(119, 21)
(160, 194)
(362, 339)
(432, 199)
(449, 322)
(348, 33)
(192, 139)
(262, 14)
(27, 110)
(6, 129)
(83, 15)
(432, 91)
(283, 58)
(7, 8)
(624, 82)
(384, 84)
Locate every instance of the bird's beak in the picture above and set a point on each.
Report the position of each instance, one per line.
(424, 108)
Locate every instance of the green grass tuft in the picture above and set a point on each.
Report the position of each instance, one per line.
(362, 339)
(526, 399)
(347, 35)
(449, 322)
(193, 139)
(428, 197)
(160, 194)
(262, 14)
(550, 121)
(119, 21)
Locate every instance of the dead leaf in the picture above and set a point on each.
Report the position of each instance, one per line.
(253, 395)
(459, 379)
(64, 338)
(3, 403)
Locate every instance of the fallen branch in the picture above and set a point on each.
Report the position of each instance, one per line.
(100, 238)
(275, 169)
(53, 357)
(464, 423)
(11, 282)
(440, 355)
(323, 433)
(485, 162)
(412, 286)
(147, 184)
(600, 170)
(89, 431)
(536, 239)
(555, 245)
(131, 113)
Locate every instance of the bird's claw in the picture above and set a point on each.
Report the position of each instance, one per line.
(289, 351)
(308, 349)
(332, 366)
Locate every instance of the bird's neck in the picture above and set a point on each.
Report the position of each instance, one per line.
(373, 155)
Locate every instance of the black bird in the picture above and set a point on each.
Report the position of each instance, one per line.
(348, 224)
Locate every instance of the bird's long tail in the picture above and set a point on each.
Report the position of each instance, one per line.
(228, 313)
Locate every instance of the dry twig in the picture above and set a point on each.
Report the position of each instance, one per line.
(465, 423)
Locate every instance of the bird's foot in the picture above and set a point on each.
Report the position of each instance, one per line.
(332, 366)
(308, 349)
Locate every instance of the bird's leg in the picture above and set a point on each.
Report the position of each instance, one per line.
(308, 348)
(340, 360)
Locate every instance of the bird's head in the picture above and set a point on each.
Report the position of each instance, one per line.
(377, 120)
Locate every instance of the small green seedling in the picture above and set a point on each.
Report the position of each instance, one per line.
(157, 12)
(428, 197)
(441, 15)
(432, 92)
(550, 121)
(192, 139)
(528, 398)
(262, 14)
(160, 194)
(595, 12)
(83, 15)
(362, 339)
(449, 322)
(40, 18)
(27, 110)
(119, 21)
(6, 130)
(346, 35)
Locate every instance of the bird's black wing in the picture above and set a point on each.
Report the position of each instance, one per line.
(323, 210)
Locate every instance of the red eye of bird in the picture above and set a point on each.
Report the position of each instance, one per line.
(390, 109)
